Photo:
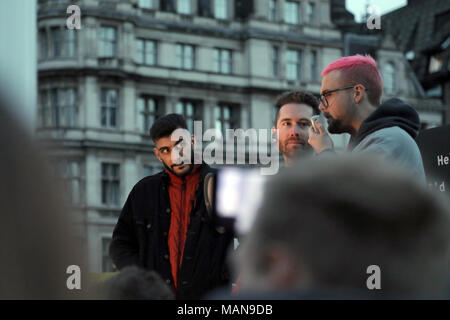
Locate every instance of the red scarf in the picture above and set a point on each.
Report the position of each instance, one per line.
(182, 201)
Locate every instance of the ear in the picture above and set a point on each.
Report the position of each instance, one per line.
(359, 93)
(282, 271)
(156, 151)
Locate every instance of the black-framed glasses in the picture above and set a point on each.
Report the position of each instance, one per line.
(323, 96)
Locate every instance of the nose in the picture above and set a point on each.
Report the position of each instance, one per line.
(322, 107)
(294, 131)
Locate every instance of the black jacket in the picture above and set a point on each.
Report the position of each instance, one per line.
(140, 238)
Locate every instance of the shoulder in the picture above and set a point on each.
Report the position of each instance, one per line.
(149, 182)
(391, 138)
(395, 144)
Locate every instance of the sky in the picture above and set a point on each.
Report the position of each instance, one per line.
(357, 7)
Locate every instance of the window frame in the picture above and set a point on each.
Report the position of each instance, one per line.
(56, 108)
(102, 49)
(145, 113)
(110, 184)
(311, 13)
(223, 65)
(275, 61)
(272, 11)
(221, 6)
(143, 53)
(184, 5)
(181, 56)
(298, 64)
(197, 110)
(293, 12)
(234, 116)
(106, 108)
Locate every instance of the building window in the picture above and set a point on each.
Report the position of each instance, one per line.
(310, 12)
(149, 109)
(272, 10)
(146, 52)
(389, 78)
(167, 5)
(70, 172)
(220, 9)
(69, 43)
(45, 110)
(185, 56)
(146, 4)
(107, 45)
(293, 64)
(58, 43)
(110, 184)
(226, 117)
(43, 44)
(291, 12)
(184, 6)
(109, 108)
(191, 111)
(59, 107)
(107, 264)
(314, 66)
(204, 8)
(222, 61)
(275, 60)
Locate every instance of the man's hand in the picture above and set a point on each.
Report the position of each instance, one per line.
(320, 140)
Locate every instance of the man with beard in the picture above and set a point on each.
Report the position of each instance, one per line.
(164, 225)
(351, 102)
(295, 109)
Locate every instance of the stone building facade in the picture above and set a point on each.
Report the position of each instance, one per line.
(219, 61)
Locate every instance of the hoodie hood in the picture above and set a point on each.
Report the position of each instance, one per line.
(393, 113)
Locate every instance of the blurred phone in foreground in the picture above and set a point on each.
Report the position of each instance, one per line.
(238, 195)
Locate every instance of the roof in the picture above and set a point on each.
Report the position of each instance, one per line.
(417, 27)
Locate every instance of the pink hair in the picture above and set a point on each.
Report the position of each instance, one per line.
(360, 69)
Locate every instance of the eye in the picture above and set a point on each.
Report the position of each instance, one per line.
(304, 125)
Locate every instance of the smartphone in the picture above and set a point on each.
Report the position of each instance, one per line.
(313, 123)
(238, 195)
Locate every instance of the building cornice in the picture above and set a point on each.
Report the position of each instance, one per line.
(245, 33)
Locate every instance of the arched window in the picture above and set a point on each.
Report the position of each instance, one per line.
(389, 78)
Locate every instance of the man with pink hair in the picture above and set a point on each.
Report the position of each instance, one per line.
(350, 99)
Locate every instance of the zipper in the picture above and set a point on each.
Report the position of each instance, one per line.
(183, 200)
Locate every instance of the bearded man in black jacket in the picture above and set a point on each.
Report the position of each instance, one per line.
(164, 224)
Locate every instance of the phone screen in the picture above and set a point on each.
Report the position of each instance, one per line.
(239, 194)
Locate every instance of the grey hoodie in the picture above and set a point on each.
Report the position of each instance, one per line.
(390, 131)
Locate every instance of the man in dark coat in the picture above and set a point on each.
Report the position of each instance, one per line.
(164, 225)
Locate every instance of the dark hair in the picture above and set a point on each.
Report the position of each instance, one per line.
(377, 215)
(164, 126)
(297, 96)
(133, 283)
